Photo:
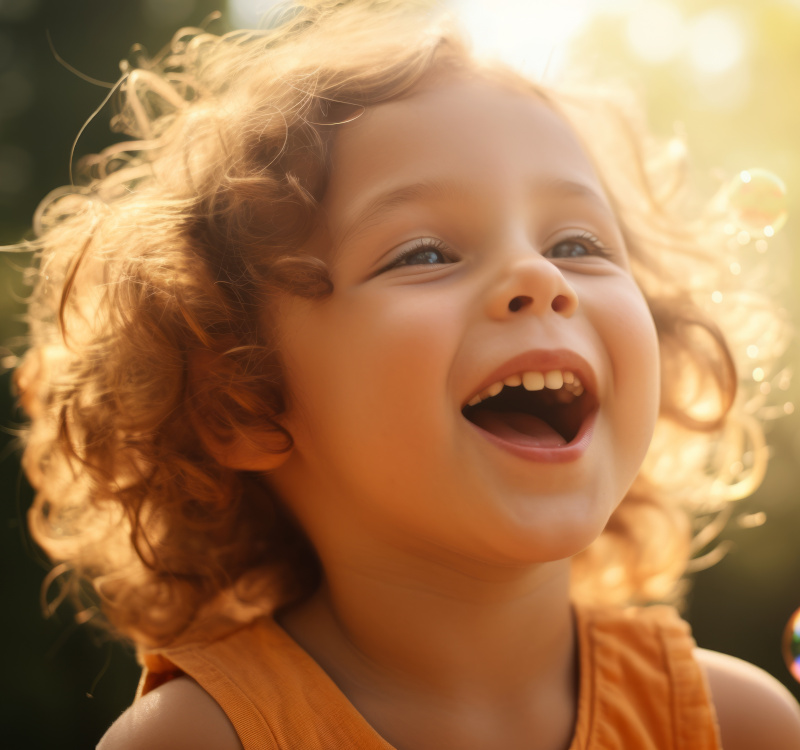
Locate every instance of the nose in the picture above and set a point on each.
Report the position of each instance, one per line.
(531, 284)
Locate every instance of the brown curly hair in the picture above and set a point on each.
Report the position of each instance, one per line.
(174, 244)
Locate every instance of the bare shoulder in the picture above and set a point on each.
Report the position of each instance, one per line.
(753, 708)
(176, 716)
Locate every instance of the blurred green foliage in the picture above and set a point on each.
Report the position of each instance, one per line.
(65, 684)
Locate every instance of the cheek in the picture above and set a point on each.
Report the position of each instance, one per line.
(630, 337)
(368, 401)
(357, 367)
(637, 373)
(628, 332)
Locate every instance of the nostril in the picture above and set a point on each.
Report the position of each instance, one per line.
(560, 303)
(519, 302)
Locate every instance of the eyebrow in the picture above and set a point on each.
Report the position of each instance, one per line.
(448, 189)
(439, 189)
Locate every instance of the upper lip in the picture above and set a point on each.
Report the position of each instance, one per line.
(542, 360)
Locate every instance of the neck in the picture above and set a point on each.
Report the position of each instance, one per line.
(396, 626)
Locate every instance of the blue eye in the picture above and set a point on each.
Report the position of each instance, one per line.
(424, 252)
(581, 246)
(422, 257)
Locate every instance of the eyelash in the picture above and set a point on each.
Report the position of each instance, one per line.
(587, 240)
(419, 246)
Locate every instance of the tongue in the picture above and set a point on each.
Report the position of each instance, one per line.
(519, 428)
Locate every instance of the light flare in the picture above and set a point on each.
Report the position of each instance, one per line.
(716, 42)
(656, 31)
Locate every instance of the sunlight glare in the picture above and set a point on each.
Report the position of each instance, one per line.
(656, 31)
(531, 35)
(716, 41)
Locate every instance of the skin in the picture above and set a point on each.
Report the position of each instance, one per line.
(456, 546)
(437, 545)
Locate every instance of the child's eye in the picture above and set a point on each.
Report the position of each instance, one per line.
(426, 251)
(580, 246)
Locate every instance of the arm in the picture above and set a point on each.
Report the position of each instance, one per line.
(755, 711)
(178, 715)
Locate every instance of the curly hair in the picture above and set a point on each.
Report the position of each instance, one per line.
(176, 241)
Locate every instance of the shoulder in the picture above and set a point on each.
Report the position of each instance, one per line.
(178, 715)
(753, 708)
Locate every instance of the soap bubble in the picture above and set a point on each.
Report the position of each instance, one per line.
(756, 199)
(791, 645)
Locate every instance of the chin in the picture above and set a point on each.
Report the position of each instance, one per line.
(557, 535)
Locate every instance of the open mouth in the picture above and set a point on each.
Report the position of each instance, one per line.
(534, 409)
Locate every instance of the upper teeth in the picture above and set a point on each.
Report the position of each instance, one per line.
(535, 381)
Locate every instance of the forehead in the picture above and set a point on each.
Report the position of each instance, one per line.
(472, 134)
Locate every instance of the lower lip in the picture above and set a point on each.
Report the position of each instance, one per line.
(570, 452)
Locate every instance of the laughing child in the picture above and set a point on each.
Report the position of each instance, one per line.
(361, 388)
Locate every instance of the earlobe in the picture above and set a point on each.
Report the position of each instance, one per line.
(235, 446)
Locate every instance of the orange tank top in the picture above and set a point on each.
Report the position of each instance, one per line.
(640, 687)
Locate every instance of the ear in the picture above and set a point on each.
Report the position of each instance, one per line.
(236, 447)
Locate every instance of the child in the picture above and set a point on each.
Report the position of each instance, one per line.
(343, 381)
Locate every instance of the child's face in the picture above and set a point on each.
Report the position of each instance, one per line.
(463, 233)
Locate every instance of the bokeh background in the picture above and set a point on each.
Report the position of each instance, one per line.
(725, 74)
